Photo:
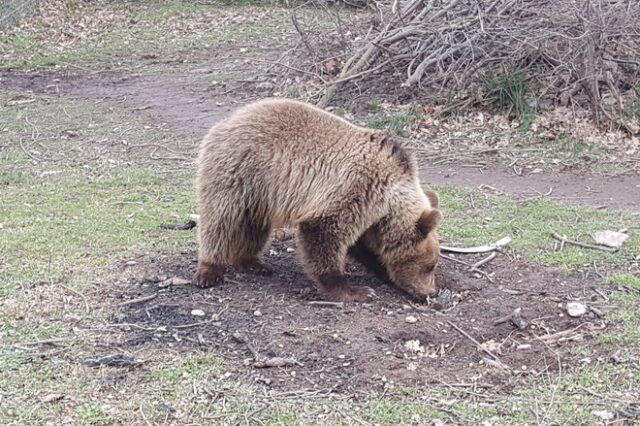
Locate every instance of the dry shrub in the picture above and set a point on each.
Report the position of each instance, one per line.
(582, 53)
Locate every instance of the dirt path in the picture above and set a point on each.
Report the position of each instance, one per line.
(171, 98)
(622, 192)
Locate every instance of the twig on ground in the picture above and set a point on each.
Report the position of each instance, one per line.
(326, 303)
(563, 239)
(138, 300)
(260, 361)
(453, 259)
(515, 317)
(80, 295)
(179, 226)
(479, 346)
(497, 246)
(475, 266)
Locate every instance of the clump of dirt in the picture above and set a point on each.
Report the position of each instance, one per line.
(393, 339)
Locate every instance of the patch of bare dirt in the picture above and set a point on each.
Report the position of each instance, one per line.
(393, 339)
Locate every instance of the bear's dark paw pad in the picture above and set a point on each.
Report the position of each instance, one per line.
(351, 294)
(208, 276)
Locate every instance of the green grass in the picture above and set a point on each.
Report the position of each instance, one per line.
(626, 314)
(145, 28)
(473, 218)
(398, 124)
(68, 220)
(91, 414)
(509, 91)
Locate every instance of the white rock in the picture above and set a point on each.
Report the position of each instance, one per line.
(575, 309)
(610, 238)
(179, 281)
(257, 313)
(411, 319)
(290, 249)
(604, 415)
(197, 313)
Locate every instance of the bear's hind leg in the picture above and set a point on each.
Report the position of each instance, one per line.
(256, 235)
(323, 248)
(211, 263)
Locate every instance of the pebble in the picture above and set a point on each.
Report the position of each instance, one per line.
(131, 262)
(179, 281)
(575, 309)
(411, 319)
(290, 249)
(257, 313)
(165, 283)
(197, 313)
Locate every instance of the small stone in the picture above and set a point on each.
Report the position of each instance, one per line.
(197, 313)
(604, 415)
(71, 318)
(257, 313)
(575, 309)
(49, 397)
(290, 249)
(1, 225)
(265, 86)
(131, 262)
(411, 319)
(179, 281)
(523, 347)
(165, 283)
(536, 171)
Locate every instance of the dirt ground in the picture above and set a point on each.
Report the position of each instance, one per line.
(355, 347)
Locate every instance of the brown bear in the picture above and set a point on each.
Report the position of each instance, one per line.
(347, 189)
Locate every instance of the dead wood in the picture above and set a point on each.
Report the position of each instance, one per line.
(580, 52)
(564, 240)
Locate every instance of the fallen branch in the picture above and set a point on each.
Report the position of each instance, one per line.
(326, 303)
(563, 239)
(515, 317)
(260, 361)
(499, 363)
(497, 246)
(180, 226)
(138, 300)
(475, 266)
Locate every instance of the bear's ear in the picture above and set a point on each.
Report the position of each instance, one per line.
(428, 221)
(380, 137)
(433, 198)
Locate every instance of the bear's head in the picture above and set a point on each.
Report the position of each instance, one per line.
(412, 268)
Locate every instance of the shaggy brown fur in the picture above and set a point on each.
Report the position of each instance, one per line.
(348, 189)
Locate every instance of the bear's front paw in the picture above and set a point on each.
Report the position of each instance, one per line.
(351, 294)
(208, 275)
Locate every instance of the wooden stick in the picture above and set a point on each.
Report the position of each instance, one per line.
(475, 266)
(497, 246)
(326, 303)
(564, 239)
(482, 348)
(138, 300)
